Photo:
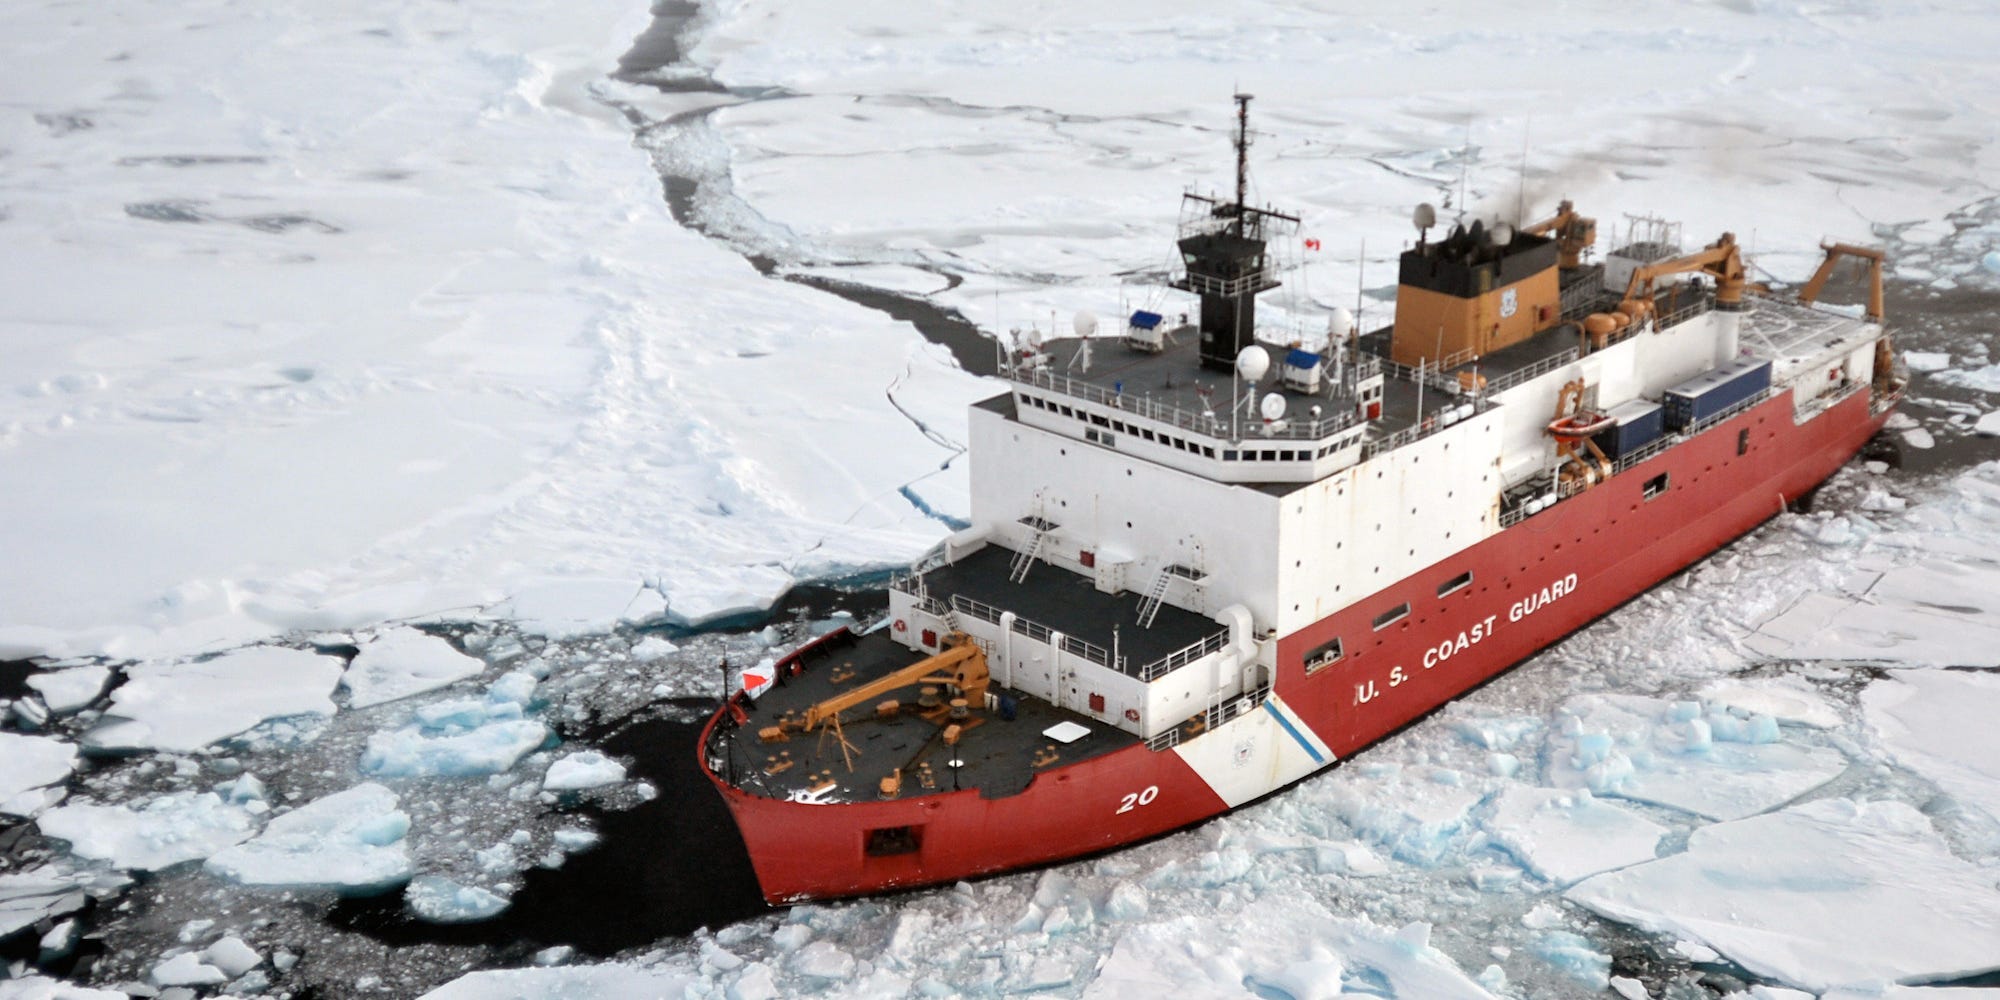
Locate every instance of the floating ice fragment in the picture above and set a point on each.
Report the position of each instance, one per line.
(1629, 988)
(1926, 361)
(188, 705)
(1572, 953)
(588, 769)
(791, 937)
(824, 960)
(402, 662)
(232, 956)
(350, 840)
(443, 901)
(169, 830)
(1988, 426)
(756, 983)
(187, 969)
(572, 839)
(28, 763)
(1940, 724)
(68, 690)
(1563, 837)
(611, 981)
(651, 648)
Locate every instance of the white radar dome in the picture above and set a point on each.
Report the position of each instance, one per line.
(1503, 234)
(1425, 216)
(1085, 323)
(1252, 362)
(1342, 322)
(1273, 407)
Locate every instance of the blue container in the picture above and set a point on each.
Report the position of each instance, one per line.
(1714, 391)
(1639, 423)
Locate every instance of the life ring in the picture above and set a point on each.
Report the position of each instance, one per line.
(1131, 715)
(902, 626)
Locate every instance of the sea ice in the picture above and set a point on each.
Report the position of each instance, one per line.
(43, 988)
(1784, 699)
(1714, 764)
(1275, 938)
(1984, 379)
(443, 901)
(29, 897)
(1925, 361)
(613, 981)
(1988, 426)
(189, 704)
(1563, 836)
(187, 969)
(461, 737)
(169, 830)
(28, 763)
(71, 688)
(232, 956)
(567, 608)
(586, 769)
(401, 662)
(1930, 612)
(1940, 723)
(1818, 895)
(350, 840)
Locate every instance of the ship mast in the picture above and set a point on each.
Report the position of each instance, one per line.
(1222, 250)
(1242, 158)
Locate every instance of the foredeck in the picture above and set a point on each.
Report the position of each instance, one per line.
(997, 755)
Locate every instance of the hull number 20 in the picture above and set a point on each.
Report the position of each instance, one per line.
(1144, 798)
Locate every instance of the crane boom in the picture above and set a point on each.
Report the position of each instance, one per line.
(1722, 259)
(962, 665)
(1834, 251)
(1573, 234)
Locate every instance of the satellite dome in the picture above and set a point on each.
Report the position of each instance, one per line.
(1341, 323)
(1085, 323)
(1252, 362)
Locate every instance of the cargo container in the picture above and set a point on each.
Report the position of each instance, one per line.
(1712, 392)
(1638, 423)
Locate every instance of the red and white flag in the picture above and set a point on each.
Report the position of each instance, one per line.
(1312, 243)
(757, 679)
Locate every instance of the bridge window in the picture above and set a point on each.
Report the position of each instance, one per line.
(1455, 584)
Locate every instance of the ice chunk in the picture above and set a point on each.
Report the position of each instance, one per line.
(1826, 893)
(1416, 819)
(461, 737)
(612, 981)
(29, 897)
(588, 769)
(1565, 836)
(567, 608)
(28, 763)
(1572, 953)
(651, 648)
(1941, 725)
(187, 969)
(443, 901)
(70, 689)
(825, 960)
(1784, 699)
(1213, 956)
(1926, 361)
(1633, 747)
(401, 662)
(169, 830)
(188, 705)
(350, 840)
(43, 988)
(1629, 988)
(232, 956)
(1917, 437)
(572, 839)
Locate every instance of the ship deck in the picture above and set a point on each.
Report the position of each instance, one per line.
(997, 755)
(1062, 601)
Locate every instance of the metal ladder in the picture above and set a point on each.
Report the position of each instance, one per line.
(1149, 606)
(1024, 559)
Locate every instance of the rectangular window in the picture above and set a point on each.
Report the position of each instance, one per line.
(1207, 452)
(1270, 456)
(1148, 435)
(1100, 420)
(1654, 486)
(1455, 584)
(1064, 410)
(1392, 616)
(1229, 456)
(1743, 441)
(1322, 657)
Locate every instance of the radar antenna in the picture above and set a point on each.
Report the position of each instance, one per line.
(1242, 158)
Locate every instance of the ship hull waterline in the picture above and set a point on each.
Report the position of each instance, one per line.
(1532, 584)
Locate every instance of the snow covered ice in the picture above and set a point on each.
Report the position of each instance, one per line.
(350, 840)
(421, 348)
(1828, 893)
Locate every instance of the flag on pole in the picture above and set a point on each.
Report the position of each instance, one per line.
(757, 679)
(1312, 243)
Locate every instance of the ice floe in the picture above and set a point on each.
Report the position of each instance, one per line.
(462, 736)
(1941, 724)
(43, 988)
(189, 704)
(1563, 836)
(584, 769)
(398, 663)
(597, 982)
(169, 830)
(1711, 762)
(443, 901)
(71, 688)
(350, 840)
(28, 764)
(1818, 895)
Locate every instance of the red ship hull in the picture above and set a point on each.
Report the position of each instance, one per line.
(1530, 585)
